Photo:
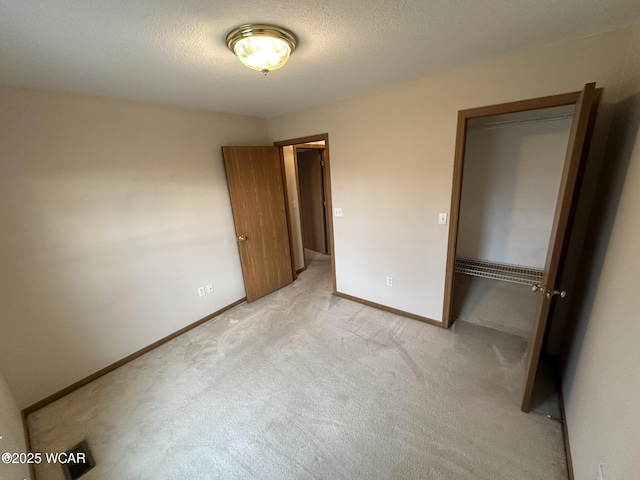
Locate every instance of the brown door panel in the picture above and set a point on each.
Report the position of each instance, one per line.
(256, 189)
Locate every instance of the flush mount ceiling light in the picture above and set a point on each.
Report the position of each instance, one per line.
(262, 47)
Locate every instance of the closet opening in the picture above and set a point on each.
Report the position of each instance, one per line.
(512, 171)
(517, 174)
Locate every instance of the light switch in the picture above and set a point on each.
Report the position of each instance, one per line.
(442, 219)
(337, 212)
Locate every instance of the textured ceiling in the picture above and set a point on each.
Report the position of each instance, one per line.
(173, 52)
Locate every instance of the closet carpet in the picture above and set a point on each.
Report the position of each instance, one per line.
(305, 385)
(504, 306)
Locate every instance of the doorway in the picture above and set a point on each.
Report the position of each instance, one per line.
(513, 167)
(307, 172)
(268, 226)
(548, 289)
(312, 203)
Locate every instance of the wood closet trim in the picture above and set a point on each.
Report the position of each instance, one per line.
(522, 105)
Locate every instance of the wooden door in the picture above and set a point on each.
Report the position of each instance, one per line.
(312, 207)
(256, 189)
(550, 290)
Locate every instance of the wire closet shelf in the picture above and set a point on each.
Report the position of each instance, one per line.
(498, 271)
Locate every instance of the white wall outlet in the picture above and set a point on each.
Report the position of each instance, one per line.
(442, 218)
(337, 212)
(201, 292)
(209, 287)
(389, 281)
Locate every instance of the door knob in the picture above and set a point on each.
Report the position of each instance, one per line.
(547, 292)
(242, 238)
(539, 288)
(561, 293)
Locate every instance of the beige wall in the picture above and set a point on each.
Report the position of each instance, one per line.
(602, 378)
(112, 213)
(294, 206)
(11, 433)
(510, 188)
(392, 161)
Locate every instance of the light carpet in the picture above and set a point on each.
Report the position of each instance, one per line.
(508, 307)
(305, 385)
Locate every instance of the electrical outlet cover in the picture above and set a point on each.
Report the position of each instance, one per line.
(201, 292)
(209, 287)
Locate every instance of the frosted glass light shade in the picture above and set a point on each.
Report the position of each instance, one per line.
(262, 47)
(262, 53)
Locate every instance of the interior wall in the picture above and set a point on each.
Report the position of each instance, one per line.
(510, 188)
(12, 438)
(600, 380)
(113, 214)
(294, 205)
(392, 161)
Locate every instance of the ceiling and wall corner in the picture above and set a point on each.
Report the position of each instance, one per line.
(175, 53)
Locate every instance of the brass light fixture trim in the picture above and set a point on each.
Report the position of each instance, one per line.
(261, 46)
